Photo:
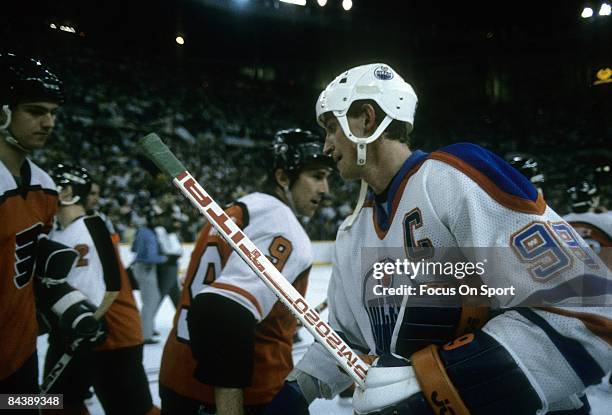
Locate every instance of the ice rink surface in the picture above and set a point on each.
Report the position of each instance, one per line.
(601, 402)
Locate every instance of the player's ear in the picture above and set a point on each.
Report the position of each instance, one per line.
(369, 118)
(282, 178)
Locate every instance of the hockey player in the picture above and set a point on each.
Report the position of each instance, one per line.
(29, 98)
(115, 367)
(91, 208)
(239, 334)
(419, 205)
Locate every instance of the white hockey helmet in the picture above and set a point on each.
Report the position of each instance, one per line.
(376, 81)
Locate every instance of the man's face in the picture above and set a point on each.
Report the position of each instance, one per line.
(343, 150)
(93, 197)
(32, 123)
(308, 190)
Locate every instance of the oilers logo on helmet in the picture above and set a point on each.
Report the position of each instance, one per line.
(383, 73)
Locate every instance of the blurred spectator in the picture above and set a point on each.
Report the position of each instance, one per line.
(148, 256)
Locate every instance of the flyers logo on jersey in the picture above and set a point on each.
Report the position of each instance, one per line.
(25, 254)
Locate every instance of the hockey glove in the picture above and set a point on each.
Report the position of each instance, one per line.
(78, 322)
(391, 388)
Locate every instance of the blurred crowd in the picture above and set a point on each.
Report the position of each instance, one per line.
(219, 126)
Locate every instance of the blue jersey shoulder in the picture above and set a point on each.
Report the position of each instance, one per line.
(503, 175)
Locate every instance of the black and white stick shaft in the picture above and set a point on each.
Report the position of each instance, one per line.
(156, 150)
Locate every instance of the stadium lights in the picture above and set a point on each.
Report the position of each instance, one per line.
(605, 9)
(347, 4)
(296, 2)
(63, 28)
(180, 40)
(586, 13)
(322, 2)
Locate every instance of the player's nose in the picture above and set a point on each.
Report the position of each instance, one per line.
(47, 121)
(328, 146)
(324, 188)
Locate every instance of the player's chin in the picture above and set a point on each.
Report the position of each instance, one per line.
(38, 141)
(347, 174)
(309, 210)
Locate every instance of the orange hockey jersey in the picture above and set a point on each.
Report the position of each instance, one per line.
(215, 268)
(26, 211)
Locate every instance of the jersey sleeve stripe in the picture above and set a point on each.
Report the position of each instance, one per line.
(581, 361)
(598, 325)
(106, 252)
(238, 290)
(508, 200)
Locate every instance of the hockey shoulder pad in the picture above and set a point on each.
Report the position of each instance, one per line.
(54, 261)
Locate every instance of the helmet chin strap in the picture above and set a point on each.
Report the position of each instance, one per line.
(7, 112)
(70, 202)
(362, 143)
(363, 191)
(8, 135)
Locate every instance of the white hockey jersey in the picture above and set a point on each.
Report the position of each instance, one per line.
(274, 228)
(464, 196)
(215, 268)
(96, 270)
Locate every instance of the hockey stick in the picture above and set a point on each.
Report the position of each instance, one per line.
(62, 363)
(59, 367)
(156, 150)
(319, 309)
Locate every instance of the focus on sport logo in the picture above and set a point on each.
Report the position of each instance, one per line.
(383, 72)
